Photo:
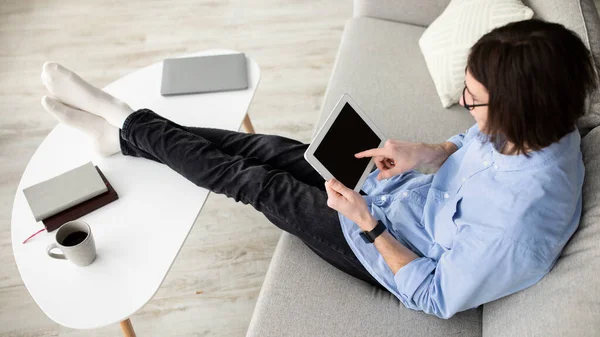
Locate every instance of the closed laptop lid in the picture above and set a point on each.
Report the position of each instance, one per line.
(204, 74)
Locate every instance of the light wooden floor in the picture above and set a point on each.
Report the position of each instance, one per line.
(228, 252)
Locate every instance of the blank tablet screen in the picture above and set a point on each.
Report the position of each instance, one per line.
(348, 135)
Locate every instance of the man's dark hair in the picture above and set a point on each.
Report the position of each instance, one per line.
(538, 75)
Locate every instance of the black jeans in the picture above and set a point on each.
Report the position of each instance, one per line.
(267, 171)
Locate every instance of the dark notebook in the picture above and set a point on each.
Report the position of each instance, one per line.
(81, 209)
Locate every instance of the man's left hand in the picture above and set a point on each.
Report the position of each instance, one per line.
(348, 202)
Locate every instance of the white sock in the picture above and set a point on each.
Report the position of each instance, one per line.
(71, 89)
(104, 136)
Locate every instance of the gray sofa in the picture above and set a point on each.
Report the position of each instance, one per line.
(380, 64)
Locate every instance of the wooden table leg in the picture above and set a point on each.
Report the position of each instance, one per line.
(247, 124)
(127, 328)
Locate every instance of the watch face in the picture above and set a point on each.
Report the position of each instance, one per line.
(365, 237)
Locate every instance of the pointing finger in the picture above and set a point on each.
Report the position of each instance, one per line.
(369, 153)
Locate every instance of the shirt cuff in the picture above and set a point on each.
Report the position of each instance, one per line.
(412, 275)
(457, 140)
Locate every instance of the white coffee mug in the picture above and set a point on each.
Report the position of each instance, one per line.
(76, 242)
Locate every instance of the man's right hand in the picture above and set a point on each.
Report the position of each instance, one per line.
(397, 157)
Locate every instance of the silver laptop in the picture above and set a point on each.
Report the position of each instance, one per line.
(199, 74)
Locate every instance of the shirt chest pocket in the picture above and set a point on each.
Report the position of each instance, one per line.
(444, 228)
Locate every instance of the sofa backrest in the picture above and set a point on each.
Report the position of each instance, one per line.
(415, 12)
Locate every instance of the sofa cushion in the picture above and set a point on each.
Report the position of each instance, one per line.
(566, 302)
(446, 43)
(380, 65)
(302, 295)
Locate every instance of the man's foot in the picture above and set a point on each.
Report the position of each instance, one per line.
(71, 89)
(104, 136)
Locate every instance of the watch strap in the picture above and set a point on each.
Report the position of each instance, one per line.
(370, 236)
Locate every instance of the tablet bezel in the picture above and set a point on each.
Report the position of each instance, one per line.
(309, 154)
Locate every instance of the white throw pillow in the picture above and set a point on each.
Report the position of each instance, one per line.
(446, 42)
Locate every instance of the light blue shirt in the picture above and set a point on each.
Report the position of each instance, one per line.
(484, 226)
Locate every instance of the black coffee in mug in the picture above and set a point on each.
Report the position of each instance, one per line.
(75, 241)
(74, 238)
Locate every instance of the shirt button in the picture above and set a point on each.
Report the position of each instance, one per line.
(496, 166)
(486, 163)
(405, 193)
(382, 198)
(464, 179)
(446, 195)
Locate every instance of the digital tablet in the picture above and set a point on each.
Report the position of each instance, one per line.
(346, 131)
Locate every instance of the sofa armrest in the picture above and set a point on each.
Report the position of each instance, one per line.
(416, 12)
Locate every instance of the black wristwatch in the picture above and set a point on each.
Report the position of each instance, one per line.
(370, 236)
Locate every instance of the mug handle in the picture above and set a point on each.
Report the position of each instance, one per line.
(54, 255)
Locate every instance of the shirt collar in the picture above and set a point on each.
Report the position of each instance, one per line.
(519, 162)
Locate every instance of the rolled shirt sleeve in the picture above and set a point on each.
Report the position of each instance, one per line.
(464, 137)
(475, 271)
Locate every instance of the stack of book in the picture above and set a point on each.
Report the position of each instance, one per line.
(69, 195)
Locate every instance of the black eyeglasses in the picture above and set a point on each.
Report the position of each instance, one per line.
(469, 106)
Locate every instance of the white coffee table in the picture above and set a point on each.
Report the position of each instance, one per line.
(138, 236)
